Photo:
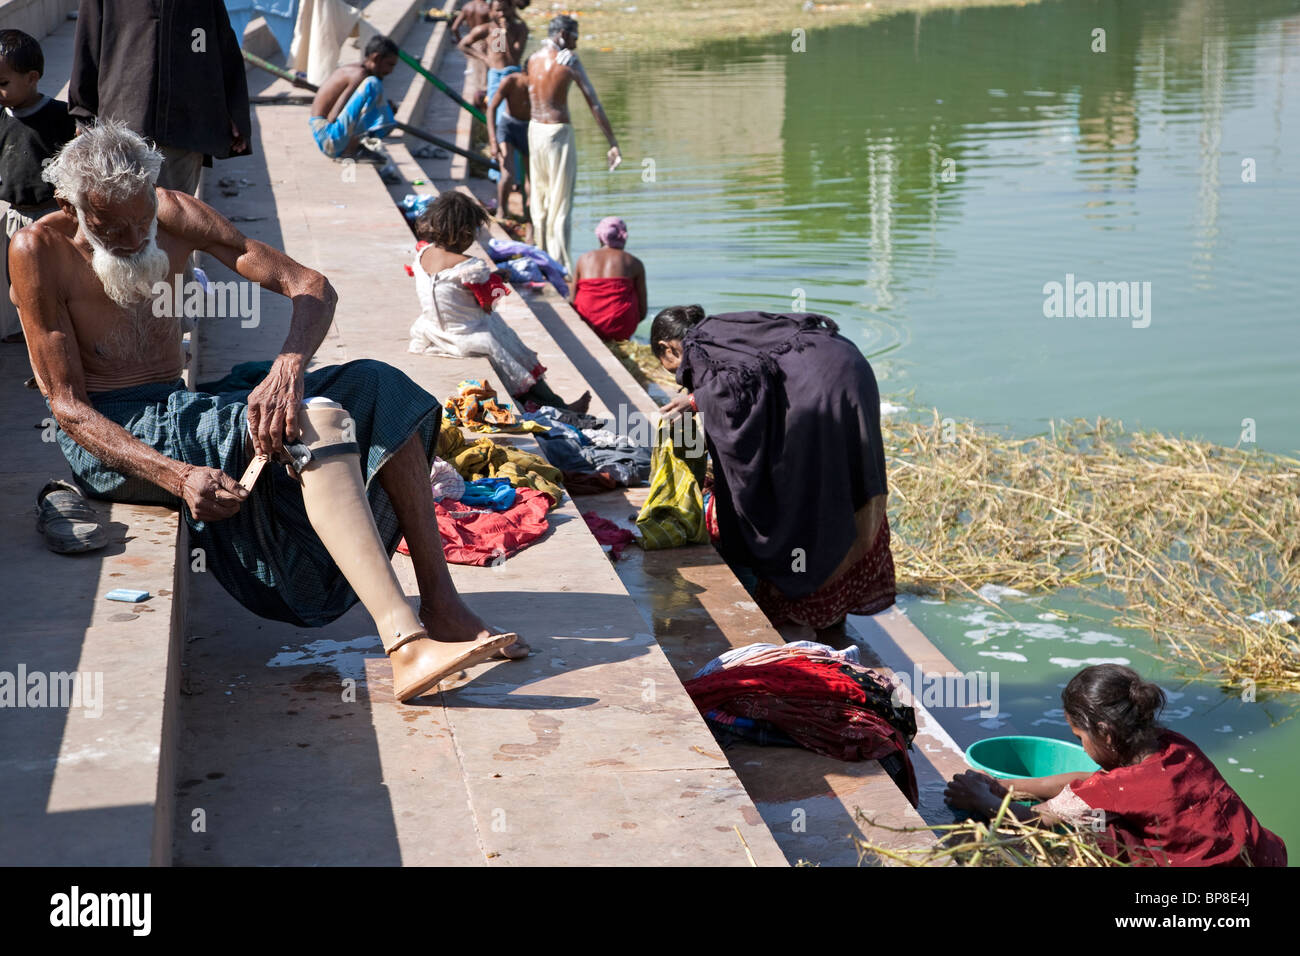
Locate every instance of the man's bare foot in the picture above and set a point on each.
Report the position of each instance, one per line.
(580, 405)
(458, 623)
(419, 665)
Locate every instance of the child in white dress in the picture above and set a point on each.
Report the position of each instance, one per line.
(458, 294)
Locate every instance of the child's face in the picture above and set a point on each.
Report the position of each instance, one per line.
(17, 89)
(1094, 748)
(380, 65)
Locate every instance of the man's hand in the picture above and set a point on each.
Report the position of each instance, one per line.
(273, 410)
(211, 494)
(679, 406)
(614, 157)
(238, 145)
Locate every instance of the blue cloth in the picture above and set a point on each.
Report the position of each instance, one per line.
(413, 204)
(502, 249)
(494, 78)
(495, 493)
(281, 15)
(268, 557)
(524, 270)
(366, 112)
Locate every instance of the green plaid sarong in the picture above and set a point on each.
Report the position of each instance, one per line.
(267, 556)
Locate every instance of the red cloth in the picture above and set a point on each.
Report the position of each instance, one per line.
(607, 532)
(609, 305)
(867, 587)
(488, 292)
(816, 702)
(1175, 809)
(482, 537)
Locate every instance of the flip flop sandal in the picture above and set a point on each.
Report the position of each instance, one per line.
(69, 522)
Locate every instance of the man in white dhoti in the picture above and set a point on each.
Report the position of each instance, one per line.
(552, 157)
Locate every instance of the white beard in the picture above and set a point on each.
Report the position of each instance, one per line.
(127, 280)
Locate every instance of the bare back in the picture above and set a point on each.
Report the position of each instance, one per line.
(337, 89)
(548, 87)
(607, 263)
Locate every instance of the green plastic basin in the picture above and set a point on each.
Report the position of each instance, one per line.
(1014, 758)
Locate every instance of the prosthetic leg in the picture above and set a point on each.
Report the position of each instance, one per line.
(335, 500)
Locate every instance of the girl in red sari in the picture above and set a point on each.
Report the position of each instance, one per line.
(1157, 801)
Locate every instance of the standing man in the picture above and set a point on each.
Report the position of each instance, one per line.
(472, 14)
(171, 71)
(552, 158)
(499, 43)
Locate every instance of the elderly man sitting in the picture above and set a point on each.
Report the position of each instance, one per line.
(310, 539)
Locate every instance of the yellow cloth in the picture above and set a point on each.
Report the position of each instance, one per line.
(485, 458)
(673, 515)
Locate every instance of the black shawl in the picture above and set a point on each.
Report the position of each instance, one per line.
(791, 413)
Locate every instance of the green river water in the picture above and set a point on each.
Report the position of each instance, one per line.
(922, 179)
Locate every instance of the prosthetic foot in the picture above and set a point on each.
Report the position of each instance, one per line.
(335, 499)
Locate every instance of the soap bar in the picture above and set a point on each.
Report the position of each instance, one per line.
(130, 595)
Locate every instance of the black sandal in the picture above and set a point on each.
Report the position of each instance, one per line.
(69, 522)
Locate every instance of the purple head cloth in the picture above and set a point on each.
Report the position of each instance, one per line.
(612, 232)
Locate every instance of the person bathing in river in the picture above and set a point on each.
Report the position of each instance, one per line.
(458, 294)
(499, 43)
(509, 111)
(609, 284)
(1157, 799)
(473, 13)
(791, 416)
(552, 154)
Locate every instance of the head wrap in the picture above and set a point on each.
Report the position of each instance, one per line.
(612, 232)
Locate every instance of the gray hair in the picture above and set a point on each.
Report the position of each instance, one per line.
(107, 159)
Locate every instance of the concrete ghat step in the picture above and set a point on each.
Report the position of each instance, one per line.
(88, 774)
(454, 781)
(697, 610)
(92, 783)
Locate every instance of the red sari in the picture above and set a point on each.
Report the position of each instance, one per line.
(1172, 809)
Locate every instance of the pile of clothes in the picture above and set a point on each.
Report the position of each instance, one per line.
(476, 406)
(525, 263)
(808, 695)
(485, 458)
(592, 457)
(490, 500)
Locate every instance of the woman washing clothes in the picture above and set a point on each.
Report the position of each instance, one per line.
(1157, 799)
(791, 414)
(609, 284)
(458, 294)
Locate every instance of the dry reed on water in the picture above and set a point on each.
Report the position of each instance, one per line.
(1002, 841)
(1182, 538)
